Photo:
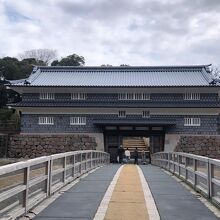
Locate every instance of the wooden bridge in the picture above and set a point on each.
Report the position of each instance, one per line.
(83, 185)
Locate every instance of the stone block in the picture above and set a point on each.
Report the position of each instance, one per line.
(39, 145)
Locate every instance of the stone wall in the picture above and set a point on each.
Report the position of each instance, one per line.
(3, 144)
(31, 146)
(201, 145)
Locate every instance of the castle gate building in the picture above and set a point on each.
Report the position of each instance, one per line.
(115, 104)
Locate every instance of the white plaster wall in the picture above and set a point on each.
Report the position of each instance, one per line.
(171, 141)
(99, 137)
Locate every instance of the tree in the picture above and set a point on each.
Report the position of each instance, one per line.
(43, 55)
(11, 68)
(55, 63)
(215, 71)
(71, 60)
(26, 66)
(3, 93)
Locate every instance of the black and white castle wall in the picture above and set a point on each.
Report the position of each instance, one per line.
(150, 101)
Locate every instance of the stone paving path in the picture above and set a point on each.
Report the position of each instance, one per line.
(127, 201)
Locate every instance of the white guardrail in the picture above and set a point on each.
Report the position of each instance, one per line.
(202, 173)
(23, 185)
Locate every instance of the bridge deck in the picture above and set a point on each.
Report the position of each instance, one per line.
(173, 200)
(81, 202)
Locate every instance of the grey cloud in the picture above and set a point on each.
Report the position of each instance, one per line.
(96, 9)
(207, 46)
(120, 31)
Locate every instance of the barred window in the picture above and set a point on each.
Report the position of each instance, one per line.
(137, 96)
(78, 96)
(192, 122)
(130, 96)
(122, 114)
(146, 114)
(45, 121)
(77, 120)
(192, 96)
(47, 95)
(134, 96)
(122, 96)
(146, 96)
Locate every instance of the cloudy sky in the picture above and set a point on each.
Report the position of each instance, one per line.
(135, 32)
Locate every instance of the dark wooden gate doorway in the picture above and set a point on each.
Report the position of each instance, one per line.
(113, 139)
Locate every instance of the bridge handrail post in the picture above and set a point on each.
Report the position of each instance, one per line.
(172, 162)
(91, 158)
(186, 170)
(74, 170)
(168, 161)
(80, 167)
(86, 161)
(98, 160)
(64, 170)
(209, 178)
(50, 176)
(94, 159)
(27, 178)
(194, 172)
(174, 166)
(178, 162)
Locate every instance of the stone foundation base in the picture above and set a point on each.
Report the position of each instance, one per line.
(208, 146)
(31, 146)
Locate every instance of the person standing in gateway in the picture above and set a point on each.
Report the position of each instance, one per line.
(121, 153)
(127, 155)
(136, 156)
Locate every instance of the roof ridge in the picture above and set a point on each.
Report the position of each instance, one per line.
(207, 75)
(124, 67)
(34, 75)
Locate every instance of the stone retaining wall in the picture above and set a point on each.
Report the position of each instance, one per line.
(3, 144)
(31, 146)
(208, 146)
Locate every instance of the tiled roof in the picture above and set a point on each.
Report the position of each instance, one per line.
(128, 76)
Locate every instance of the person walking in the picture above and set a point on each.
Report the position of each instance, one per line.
(121, 153)
(136, 156)
(127, 155)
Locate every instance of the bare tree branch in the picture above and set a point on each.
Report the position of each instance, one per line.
(45, 55)
(215, 71)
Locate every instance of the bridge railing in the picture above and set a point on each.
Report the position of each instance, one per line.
(23, 185)
(202, 173)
